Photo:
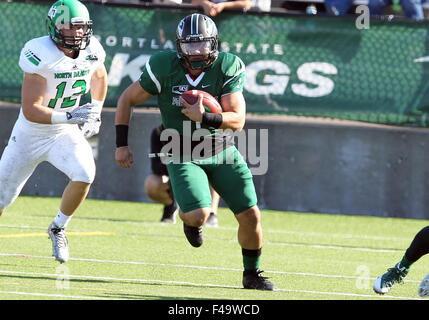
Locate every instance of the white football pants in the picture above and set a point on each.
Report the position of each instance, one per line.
(64, 146)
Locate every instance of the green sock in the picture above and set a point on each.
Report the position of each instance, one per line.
(405, 262)
(251, 259)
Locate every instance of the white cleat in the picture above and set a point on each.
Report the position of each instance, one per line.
(423, 289)
(60, 248)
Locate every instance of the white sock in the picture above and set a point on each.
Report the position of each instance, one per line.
(61, 220)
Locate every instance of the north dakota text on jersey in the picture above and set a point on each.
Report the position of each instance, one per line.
(68, 75)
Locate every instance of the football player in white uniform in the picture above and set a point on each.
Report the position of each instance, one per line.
(58, 70)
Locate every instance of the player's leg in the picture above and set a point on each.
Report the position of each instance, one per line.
(15, 169)
(212, 220)
(158, 188)
(195, 218)
(18, 161)
(418, 248)
(250, 240)
(74, 194)
(191, 190)
(72, 155)
(234, 183)
(157, 185)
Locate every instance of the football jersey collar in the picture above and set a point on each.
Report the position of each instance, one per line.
(195, 82)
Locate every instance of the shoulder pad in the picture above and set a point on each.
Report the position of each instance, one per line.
(36, 54)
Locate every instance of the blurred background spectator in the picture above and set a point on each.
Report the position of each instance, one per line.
(214, 7)
(338, 7)
(412, 8)
(261, 5)
(167, 1)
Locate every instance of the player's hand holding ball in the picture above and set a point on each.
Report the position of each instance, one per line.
(196, 102)
(195, 110)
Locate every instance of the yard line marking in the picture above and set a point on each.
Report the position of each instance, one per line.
(305, 274)
(346, 294)
(352, 294)
(55, 295)
(331, 246)
(310, 245)
(70, 233)
(317, 234)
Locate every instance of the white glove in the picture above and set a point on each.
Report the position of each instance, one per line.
(85, 113)
(90, 128)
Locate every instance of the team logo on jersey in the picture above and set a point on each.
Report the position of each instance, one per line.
(180, 89)
(32, 57)
(92, 57)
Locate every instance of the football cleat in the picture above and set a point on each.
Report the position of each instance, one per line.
(423, 289)
(169, 213)
(385, 282)
(252, 279)
(212, 220)
(194, 235)
(60, 248)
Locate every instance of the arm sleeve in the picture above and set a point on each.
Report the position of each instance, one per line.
(234, 75)
(149, 81)
(30, 61)
(98, 50)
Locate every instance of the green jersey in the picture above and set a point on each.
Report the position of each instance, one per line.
(164, 76)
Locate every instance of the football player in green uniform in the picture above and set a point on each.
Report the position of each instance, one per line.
(417, 249)
(199, 65)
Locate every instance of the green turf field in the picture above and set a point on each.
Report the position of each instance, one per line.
(120, 250)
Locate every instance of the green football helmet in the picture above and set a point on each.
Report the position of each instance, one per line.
(63, 15)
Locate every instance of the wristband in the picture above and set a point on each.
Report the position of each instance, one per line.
(98, 105)
(58, 117)
(212, 119)
(121, 135)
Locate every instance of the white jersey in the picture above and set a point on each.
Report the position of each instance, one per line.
(67, 78)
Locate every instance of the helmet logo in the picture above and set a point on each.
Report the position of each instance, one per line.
(65, 14)
(210, 26)
(52, 12)
(60, 15)
(180, 27)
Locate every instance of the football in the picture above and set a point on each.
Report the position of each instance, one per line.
(209, 102)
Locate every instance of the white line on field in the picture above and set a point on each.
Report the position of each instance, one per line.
(305, 274)
(62, 276)
(266, 230)
(329, 246)
(291, 244)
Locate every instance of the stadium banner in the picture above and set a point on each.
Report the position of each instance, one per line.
(296, 65)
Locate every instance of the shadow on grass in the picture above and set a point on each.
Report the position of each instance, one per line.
(50, 278)
(111, 294)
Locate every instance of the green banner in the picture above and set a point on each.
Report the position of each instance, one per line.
(296, 65)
